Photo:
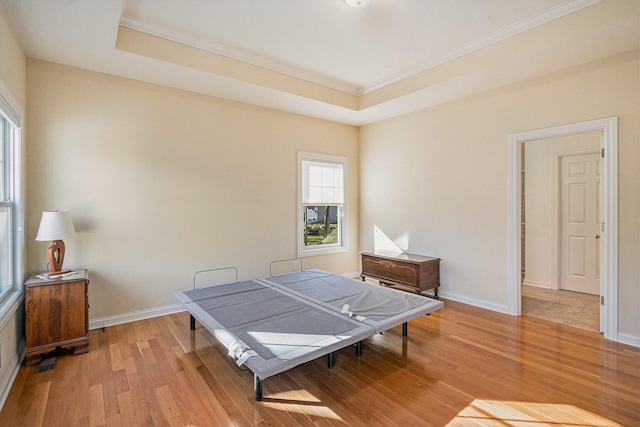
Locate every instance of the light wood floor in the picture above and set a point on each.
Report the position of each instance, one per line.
(459, 366)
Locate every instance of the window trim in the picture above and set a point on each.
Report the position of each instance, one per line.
(12, 115)
(331, 248)
(12, 252)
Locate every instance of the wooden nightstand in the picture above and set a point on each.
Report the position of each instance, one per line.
(57, 315)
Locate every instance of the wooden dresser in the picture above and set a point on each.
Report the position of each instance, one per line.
(57, 315)
(412, 272)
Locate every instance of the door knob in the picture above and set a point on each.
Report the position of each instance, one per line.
(597, 236)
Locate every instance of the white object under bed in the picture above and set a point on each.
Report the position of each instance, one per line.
(276, 323)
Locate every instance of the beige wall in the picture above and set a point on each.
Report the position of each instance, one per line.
(13, 78)
(162, 183)
(13, 64)
(436, 180)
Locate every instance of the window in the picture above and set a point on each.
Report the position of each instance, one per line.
(6, 209)
(322, 208)
(9, 211)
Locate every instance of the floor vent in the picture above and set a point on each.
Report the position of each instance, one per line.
(48, 364)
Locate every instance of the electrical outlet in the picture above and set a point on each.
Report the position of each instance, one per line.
(296, 265)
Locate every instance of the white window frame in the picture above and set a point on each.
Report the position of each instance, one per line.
(306, 251)
(12, 297)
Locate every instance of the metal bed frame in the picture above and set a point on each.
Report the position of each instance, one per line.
(361, 326)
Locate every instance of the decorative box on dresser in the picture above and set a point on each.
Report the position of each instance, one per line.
(57, 315)
(417, 273)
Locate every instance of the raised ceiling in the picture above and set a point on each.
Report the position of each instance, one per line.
(323, 58)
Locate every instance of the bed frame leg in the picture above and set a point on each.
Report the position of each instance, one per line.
(192, 323)
(359, 349)
(257, 388)
(405, 329)
(330, 360)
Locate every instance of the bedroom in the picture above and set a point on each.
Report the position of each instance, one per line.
(162, 180)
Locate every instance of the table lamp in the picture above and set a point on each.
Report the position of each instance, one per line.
(56, 226)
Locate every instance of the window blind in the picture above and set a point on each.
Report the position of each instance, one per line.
(322, 183)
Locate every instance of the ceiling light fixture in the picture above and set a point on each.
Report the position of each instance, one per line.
(357, 3)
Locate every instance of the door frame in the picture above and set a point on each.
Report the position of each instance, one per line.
(608, 128)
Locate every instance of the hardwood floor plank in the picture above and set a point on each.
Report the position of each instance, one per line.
(24, 396)
(114, 421)
(175, 415)
(139, 404)
(96, 400)
(127, 411)
(120, 381)
(146, 386)
(13, 402)
(35, 416)
(80, 398)
(460, 366)
(188, 400)
(225, 392)
(66, 390)
(305, 401)
(110, 397)
(203, 413)
(116, 357)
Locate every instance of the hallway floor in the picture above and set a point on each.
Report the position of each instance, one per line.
(566, 307)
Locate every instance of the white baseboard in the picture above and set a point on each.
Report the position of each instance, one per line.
(118, 319)
(628, 339)
(12, 372)
(500, 308)
(537, 284)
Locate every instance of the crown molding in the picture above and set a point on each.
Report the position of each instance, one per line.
(293, 71)
(503, 34)
(235, 54)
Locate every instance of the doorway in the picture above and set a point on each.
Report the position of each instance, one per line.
(607, 130)
(560, 224)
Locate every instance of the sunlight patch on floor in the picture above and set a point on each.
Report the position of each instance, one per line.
(310, 410)
(519, 414)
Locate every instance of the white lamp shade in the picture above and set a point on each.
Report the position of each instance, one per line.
(55, 226)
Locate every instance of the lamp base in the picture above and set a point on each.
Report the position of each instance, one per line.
(56, 256)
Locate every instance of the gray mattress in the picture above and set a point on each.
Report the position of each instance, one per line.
(283, 330)
(384, 308)
(276, 323)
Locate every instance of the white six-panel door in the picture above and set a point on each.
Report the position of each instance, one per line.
(580, 223)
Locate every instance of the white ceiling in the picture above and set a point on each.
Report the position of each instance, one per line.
(355, 47)
(355, 51)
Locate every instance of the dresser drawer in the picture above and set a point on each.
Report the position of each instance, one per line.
(396, 271)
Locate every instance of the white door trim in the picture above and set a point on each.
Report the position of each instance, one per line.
(608, 129)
